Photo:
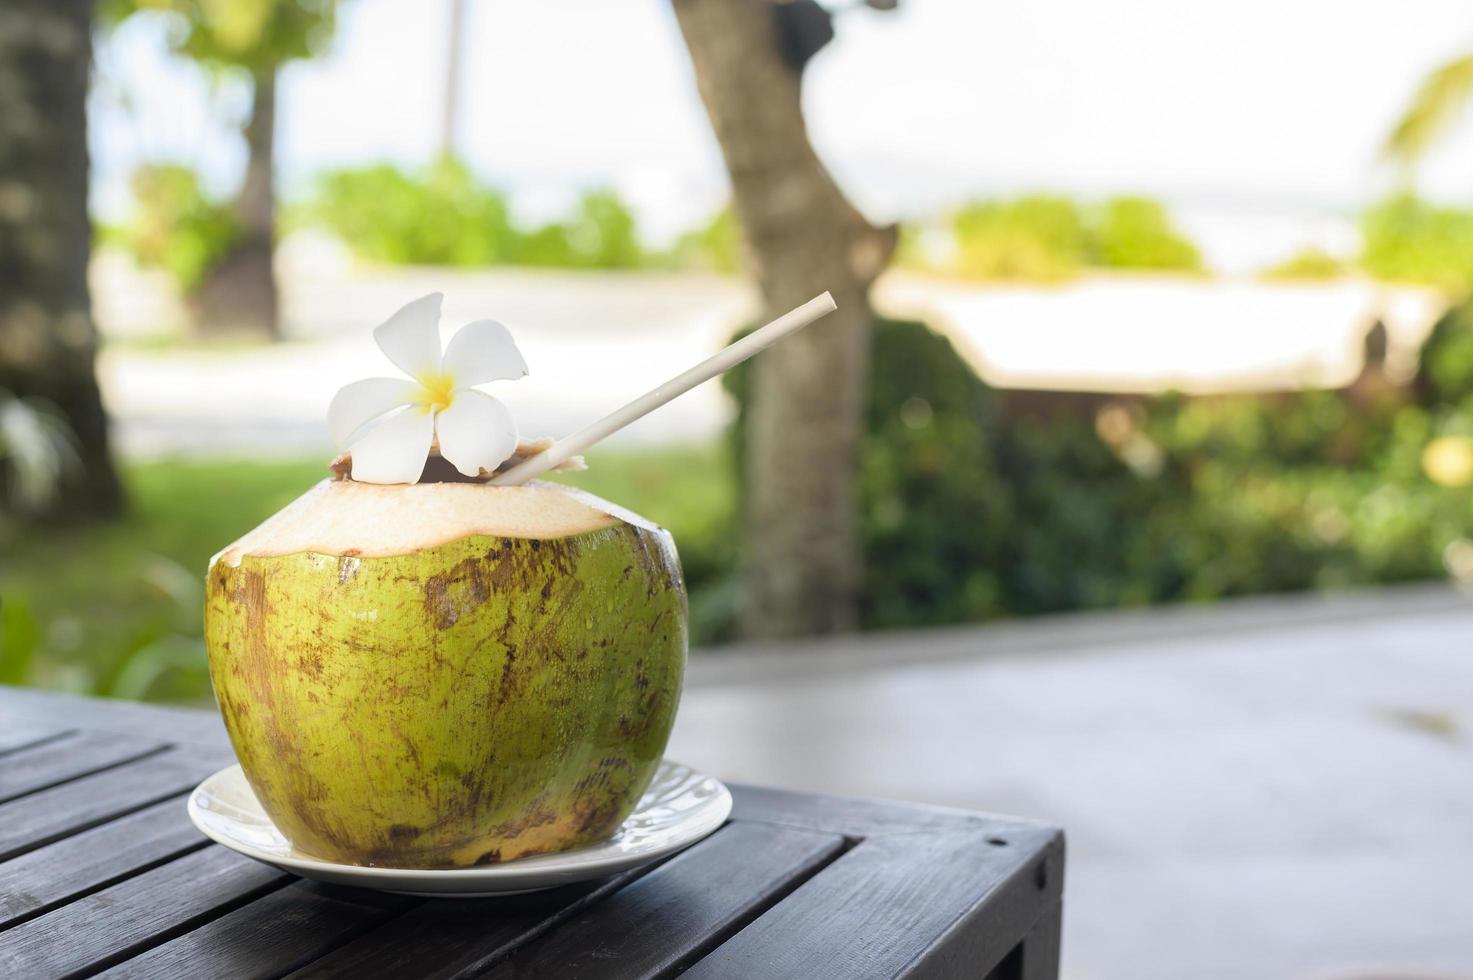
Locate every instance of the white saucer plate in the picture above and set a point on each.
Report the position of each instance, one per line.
(681, 807)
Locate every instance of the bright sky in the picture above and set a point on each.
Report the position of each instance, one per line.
(1259, 121)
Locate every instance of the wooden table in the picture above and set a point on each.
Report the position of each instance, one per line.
(101, 872)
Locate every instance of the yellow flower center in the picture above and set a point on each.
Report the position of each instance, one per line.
(438, 392)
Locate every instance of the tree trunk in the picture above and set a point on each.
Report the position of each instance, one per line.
(239, 296)
(48, 342)
(802, 565)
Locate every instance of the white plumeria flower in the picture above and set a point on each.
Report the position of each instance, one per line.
(389, 424)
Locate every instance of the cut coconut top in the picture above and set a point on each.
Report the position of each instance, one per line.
(437, 469)
(371, 520)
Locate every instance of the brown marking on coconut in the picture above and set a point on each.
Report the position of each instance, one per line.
(600, 777)
(310, 663)
(409, 745)
(255, 661)
(238, 711)
(596, 817)
(402, 833)
(452, 594)
(536, 815)
(508, 681)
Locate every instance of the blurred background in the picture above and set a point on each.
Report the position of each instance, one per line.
(1143, 309)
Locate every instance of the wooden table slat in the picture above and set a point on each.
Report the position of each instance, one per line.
(469, 934)
(872, 912)
(1017, 906)
(685, 908)
(125, 919)
(47, 815)
(16, 735)
(271, 936)
(94, 858)
(63, 759)
(853, 816)
(195, 726)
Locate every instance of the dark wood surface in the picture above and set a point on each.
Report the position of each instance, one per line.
(101, 873)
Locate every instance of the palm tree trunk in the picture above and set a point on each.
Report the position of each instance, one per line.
(802, 564)
(240, 295)
(48, 342)
(450, 108)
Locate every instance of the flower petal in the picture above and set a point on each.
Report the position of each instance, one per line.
(476, 432)
(394, 449)
(480, 352)
(411, 337)
(359, 403)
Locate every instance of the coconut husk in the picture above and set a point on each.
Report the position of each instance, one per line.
(438, 469)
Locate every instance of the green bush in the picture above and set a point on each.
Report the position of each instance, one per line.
(972, 511)
(1445, 366)
(1036, 238)
(603, 233)
(1043, 238)
(974, 507)
(1307, 265)
(1410, 240)
(176, 225)
(445, 217)
(932, 495)
(715, 246)
(448, 217)
(1136, 233)
(1072, 542)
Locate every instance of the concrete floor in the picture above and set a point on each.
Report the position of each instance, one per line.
(1269, 788)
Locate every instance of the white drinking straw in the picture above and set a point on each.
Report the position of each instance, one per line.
(706, 370)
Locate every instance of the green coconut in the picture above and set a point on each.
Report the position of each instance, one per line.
(447, 674)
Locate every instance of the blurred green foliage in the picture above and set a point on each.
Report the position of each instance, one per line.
(1050, 238)
(925, 459)
(444, 217)
(448, 216)
(176, 226)
(603, 235)
(252, 35)
(1046, 238)
(1438, 104)
(1307, 265)
(112, 606)
(1136, 233)
(715, 246)
(976, 505)
(1037, 238)
(1407, 239)
(1445, 372)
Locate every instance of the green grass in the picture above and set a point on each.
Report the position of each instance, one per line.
(115, 609)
